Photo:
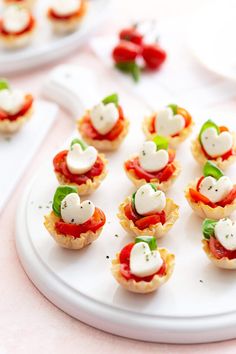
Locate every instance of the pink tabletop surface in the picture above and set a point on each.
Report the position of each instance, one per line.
(29, 323)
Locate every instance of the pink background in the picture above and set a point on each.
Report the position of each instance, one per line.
(29, 323)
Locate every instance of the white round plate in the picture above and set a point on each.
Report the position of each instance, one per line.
(212, 37)
(47, 46)
(196, 305)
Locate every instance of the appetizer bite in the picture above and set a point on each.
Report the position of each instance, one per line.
(16, 107)
(215, 143)
(173, 122)
(73, 224)
(155, 163)
(213, 195)
(141, 266)
(27, 3)
(81, 167)
(219, 242)
(104, 126)
(17, 26)
(148, 212)
(65, 16)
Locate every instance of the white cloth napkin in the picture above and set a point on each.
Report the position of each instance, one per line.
(17, 150)
(182, 79)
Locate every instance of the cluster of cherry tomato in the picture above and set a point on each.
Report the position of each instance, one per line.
(132, 49)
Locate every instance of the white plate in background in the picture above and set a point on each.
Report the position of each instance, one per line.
(47, 46)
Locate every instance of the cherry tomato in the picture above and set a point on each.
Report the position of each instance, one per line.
(219, 251)
(125, 52)
(229, 199)
(154, 219)
(131, 35)
(93, 224)
(153, 55)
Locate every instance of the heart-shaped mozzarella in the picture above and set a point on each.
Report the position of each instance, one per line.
(149, 201)
(215, 190)
(168, 124)
(81, 161)
(151, 159)
(15, 19)
(225, 232)
(74, 212)
(143, 261)
(65, 8)
(11, 101)
(216, 144)
(104, 117)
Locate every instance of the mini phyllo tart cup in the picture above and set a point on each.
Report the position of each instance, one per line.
(104, 126)
(66, 16)
(81, 167)
(154, 164)
(173, 122)
(219, 242)
(26, 3)
(215, 143)
(144, 214)
(73, 224)
(18, 33)
(16, 108)
(154, 269)
(213, 195)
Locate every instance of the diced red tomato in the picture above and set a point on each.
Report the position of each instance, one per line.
(93, 224)
(229, 199)
(60, 166)
(140, 173)
(223, 129)
(186, 115)
(146, 221)
(219, 251)
(224, 157)
(198, 197)
(125, 253)
(92, 133)
(199, 182)
(143, 222)
(27, 105)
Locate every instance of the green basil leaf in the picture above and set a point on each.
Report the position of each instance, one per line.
(161, 142)
(111, 99)
(80, 142)
(174, 108)
(129, 67)
(150, 240)
(4, 84)
(208, 228)
(210, 169)
(60, 194)
(208, 124)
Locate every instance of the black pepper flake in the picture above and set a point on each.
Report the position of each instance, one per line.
(116, 235)
(72, 220)
(40, 206)
(107, 257)
(201, 281)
